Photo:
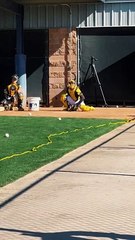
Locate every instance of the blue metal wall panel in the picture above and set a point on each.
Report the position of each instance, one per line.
(79, 15)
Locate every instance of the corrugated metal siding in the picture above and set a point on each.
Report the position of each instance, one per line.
(79, 15)
(122, 14)
(46, 16)
(82, 15)
(7, 20)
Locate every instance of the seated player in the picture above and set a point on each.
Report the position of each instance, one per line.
(73, 99)
(13, 95)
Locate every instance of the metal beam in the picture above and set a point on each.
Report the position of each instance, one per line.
(49, 2)
(10, 6)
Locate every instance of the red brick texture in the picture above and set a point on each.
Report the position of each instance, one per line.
(62, 62)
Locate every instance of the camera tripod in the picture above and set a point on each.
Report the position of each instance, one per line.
(95, 75)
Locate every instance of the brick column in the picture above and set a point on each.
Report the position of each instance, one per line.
(62, 62)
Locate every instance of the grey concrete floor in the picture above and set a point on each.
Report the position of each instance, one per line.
(87, 194)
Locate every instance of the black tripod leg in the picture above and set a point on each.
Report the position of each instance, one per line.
(87, 72)
(99, 85)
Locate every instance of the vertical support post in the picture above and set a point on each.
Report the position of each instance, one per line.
(20, 58)
(20, 66)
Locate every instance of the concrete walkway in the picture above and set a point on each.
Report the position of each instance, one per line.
(87, 194)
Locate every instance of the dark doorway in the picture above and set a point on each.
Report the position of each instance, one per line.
(37, 67)
(7, 52)
(36, 48)
(114, 50)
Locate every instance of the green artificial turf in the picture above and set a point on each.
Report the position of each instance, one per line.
(36, 141)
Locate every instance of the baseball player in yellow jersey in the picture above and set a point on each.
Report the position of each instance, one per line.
(73, 99)
(13, 94)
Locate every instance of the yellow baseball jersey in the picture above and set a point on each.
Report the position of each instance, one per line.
(74, 93)
(13, 88)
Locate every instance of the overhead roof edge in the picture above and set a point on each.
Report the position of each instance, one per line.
(11, 6)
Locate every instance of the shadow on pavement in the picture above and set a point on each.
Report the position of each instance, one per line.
(8, 201)
(72, 235)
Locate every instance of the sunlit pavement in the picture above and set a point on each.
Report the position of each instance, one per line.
(87, 194)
